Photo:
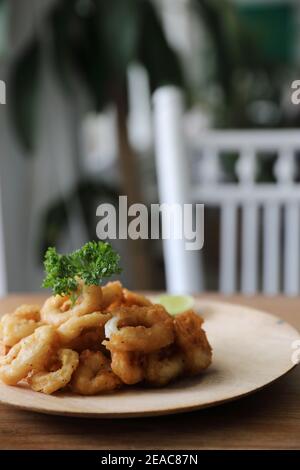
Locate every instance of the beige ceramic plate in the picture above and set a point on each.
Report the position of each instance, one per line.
(250, 350)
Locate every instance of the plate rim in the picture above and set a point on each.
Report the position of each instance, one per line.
(143, 414)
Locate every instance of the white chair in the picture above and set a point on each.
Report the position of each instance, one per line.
(278, 202)
(183, 268)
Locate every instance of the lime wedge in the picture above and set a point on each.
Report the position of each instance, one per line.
(175, 304)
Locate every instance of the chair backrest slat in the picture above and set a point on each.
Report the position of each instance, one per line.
(271, 248)
(249, 256)
(285, 172)
(228, 251)
(291, 250)
(245, 169)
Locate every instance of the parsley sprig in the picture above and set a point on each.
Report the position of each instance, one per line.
(91, 263)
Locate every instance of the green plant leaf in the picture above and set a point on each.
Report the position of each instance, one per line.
(4, 28)
(78, 52)
(119, 25)
(155, 53)
(92, 263)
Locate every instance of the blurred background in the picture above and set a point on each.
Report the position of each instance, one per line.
(77, 126)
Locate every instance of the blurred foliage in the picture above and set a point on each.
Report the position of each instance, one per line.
(253, 65)
(274, 28)
(93, 42)
(235, 53)
(251, 83)
(24, 86)
(3, 28)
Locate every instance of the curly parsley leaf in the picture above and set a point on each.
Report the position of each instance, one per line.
(91, 263)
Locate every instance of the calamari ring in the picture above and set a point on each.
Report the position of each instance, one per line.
(14, 327)
(74, 326)
(58, 309)
(3, 349)
(164, 366)
(141, 329)
(128, 366)
(89, 339)
(30, 312)
(94, 375)
(50, 382)
(132, 298)
(30, 353)
(52, 311)
(192, 341)
(112, 295)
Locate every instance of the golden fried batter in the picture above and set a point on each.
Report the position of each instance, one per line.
(128, 366)
(110, 337)
(49, 382)
(142, 329)
(94, 375)
(31, 353)
(164, 366)
(192, 341)
(57, 309)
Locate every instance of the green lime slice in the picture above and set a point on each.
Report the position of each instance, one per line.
(175, 304)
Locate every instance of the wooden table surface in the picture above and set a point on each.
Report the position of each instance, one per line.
(267, 419)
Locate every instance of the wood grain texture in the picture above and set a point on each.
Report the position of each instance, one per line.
(268, 419)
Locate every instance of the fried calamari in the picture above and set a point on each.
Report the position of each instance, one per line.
(100, 341)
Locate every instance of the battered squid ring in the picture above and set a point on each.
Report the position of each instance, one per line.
(16, 326)
(164, 366)
(3, 349)
(141, 329)
(74, 326)
(192, 341)
(58, 309)
(132, 298)
(94, 375)
(30, 353)
(88, 339)
(52, 310)
(30, 312)
(112, 295)
(50, 382)
(128, 366)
